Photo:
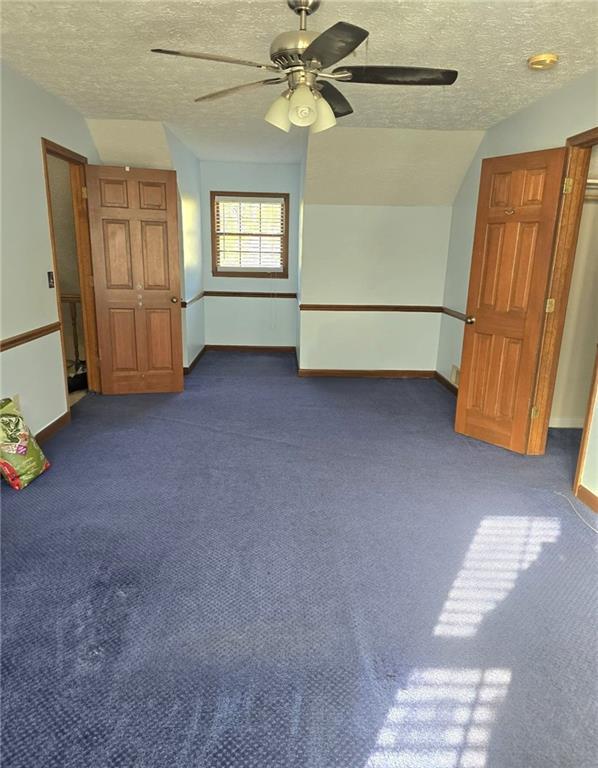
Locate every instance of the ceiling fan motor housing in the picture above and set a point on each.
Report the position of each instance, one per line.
(286, 48)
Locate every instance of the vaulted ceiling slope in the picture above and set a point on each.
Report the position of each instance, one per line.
(131, 142)
(385, 166)
(96, 56)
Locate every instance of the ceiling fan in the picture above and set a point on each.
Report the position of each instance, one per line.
(299, 58)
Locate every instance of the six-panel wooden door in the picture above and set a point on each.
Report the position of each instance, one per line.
(134, 239)
(517, 212)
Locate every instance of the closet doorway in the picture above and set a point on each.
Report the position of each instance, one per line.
(72, 267)
(580, 331)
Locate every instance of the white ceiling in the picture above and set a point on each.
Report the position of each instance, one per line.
(95, 55)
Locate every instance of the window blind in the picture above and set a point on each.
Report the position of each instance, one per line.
(250, 233)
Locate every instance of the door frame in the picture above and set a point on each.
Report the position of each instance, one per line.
(577, 163)
(584, 494)
(77, 167)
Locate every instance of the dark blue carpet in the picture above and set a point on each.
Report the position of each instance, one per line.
(274, 572)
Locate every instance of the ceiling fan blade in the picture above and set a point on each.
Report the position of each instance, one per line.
(214, 57)
(334, 44)
(398, 75)
(339, 105)
(235, 88)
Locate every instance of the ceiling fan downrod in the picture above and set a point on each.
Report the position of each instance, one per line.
(303, 8)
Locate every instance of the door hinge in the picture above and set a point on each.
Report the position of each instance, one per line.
(91, 281)
(535, 412)
(567, 185)
(84, 193)
(550, 304)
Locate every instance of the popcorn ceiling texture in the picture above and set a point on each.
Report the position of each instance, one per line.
(95, 55)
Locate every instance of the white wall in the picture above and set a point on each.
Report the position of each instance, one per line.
(186, 165)
(356, 254)
(28, 113)
(544, 124)
(244, 321)
(580, 334)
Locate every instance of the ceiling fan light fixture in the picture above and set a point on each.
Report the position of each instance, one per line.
(325, 116)
(302, 107)
(278, 114)
(300, 58)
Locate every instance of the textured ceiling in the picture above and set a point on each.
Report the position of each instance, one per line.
(95, 55)
(382, 166)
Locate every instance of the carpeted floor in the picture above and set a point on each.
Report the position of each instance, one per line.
(274, 572)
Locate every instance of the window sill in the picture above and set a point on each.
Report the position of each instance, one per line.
(264, 275)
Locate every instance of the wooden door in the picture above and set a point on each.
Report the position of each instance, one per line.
(134, 240)
(517, 212)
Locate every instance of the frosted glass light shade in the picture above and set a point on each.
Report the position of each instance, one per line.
(302, 106)
(278, 114)
(325, 116)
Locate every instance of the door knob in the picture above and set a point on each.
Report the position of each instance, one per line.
(470, 320)
(174, 300)
(509, 211)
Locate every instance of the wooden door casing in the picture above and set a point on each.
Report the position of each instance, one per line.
(516, 220)
(134, 236)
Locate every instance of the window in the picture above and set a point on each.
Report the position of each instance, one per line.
(250, 235)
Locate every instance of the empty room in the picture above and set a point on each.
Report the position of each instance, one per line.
(299, 383)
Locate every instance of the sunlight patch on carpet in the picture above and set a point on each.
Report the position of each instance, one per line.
(441, 719)
(502, 548)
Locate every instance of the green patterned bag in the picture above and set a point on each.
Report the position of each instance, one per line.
(21, 458)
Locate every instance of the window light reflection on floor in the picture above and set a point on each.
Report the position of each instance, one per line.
(502, 547)
(441, 719)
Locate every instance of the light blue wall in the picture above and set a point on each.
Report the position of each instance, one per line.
(28, 114)
(375, 254)
(250, 177)
(186, 165)
(262, 324)
(546, 123)
(34, 370)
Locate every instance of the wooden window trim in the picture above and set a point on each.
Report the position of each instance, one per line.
(284, 274)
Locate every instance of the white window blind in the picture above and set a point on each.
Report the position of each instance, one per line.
(249, 233)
